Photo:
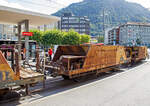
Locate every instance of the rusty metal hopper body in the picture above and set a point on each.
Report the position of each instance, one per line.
(142, 53)
(137, 53)
(6, 72)
(9, 78)
(75, 60)
(71, 50)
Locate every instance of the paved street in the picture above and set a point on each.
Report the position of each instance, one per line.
(128, 88)
(43, 43)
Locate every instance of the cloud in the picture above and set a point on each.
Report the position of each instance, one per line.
(145, 3)
(67, 2)
(42, 6)
(14, 5)
(51, 6)
(26, 5)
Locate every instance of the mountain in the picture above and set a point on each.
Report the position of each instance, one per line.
(115, 12)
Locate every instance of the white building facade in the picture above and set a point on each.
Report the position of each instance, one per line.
(7, 32)
(113, 36)
(135, 34)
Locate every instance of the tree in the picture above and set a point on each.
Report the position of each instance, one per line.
(71, 38)
(101, 39)
(52, 37)
(85, 38)
(138, 41)
(37, 35)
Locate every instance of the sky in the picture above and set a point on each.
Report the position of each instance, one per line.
(42, 6)
(145, 3)
(51, 6)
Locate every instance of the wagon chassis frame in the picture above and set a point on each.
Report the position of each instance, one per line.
(96, 72)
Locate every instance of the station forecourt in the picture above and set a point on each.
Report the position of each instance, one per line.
(18, 17)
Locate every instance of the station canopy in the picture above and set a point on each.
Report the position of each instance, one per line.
(13, 16)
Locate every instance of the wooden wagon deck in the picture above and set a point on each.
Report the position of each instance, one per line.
(9, 78)
(25, 73)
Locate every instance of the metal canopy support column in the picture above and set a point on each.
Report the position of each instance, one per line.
(26, 23)
(27, 39)
(19, 44)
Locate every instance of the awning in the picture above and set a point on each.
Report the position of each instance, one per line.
(10, 15)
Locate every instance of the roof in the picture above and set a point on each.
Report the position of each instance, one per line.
(9, 15)
(137, 23)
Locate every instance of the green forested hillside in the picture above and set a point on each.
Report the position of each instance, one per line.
(115, 12)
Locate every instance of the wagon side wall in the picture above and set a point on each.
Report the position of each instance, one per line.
(104, 56)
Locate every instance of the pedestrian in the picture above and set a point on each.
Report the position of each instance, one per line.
(24, 53)
(50, 52)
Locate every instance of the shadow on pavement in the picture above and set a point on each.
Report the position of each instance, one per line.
(59, 86)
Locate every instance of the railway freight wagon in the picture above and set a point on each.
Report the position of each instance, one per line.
(10, 78)
(136, 53)
(75, 61)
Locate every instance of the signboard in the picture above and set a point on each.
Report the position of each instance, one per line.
(27, 33)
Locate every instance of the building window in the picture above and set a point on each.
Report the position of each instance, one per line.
(64, 17)
(0, 35)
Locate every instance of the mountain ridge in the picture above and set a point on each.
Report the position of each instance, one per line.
(116, 12)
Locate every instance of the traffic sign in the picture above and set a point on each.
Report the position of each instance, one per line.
(27, 33)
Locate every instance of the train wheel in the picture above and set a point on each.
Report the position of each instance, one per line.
(66, 77)
(4, 91)
(132, 62)
(76, 80)
(9, 95)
